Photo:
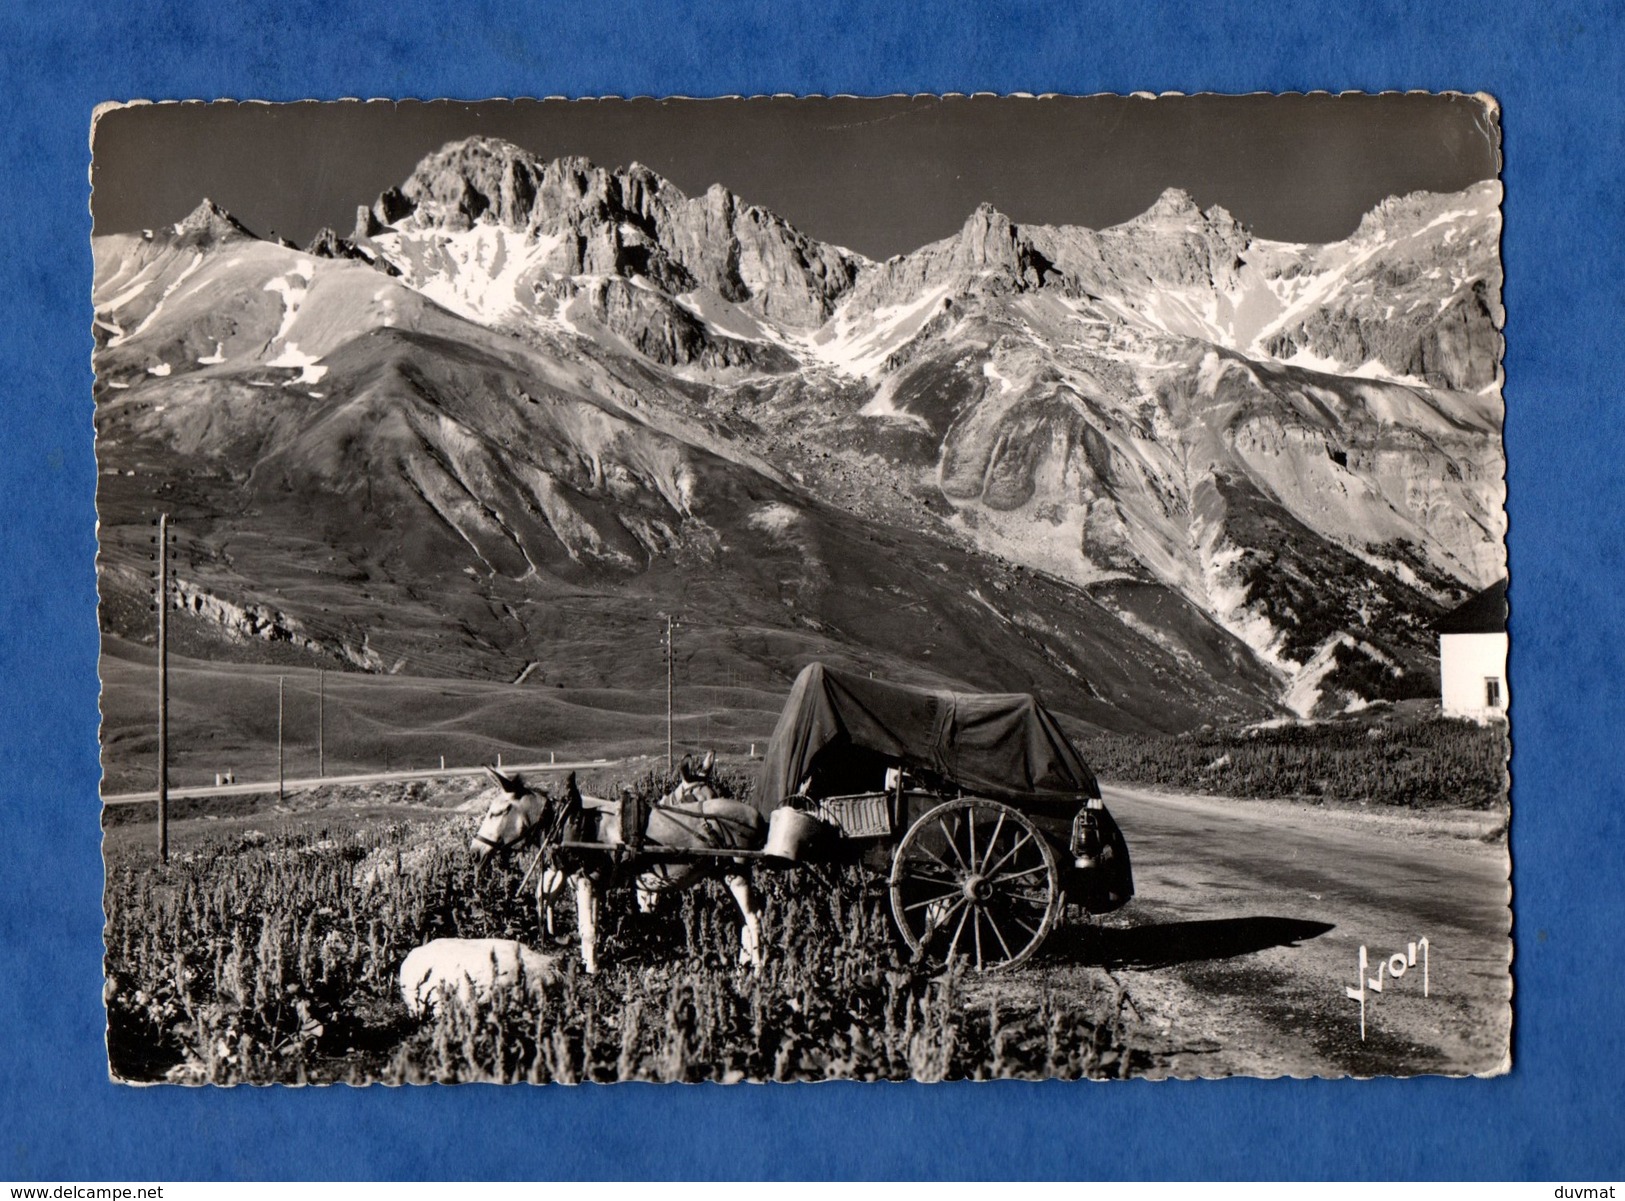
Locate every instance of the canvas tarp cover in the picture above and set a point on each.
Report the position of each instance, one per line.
(1000, 745)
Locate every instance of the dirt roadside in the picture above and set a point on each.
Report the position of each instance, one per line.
(1247, 930)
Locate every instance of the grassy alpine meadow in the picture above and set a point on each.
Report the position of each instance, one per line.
(268, 950)
(1390, 755)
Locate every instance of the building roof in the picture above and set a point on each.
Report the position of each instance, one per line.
(1485, 613)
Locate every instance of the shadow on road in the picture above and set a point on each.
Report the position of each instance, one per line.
(1168, 943)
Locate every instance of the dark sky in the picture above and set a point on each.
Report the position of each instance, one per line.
(878, 176)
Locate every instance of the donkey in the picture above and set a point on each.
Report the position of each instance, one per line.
(691, 816)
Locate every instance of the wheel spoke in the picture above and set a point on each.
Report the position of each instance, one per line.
(958, 930)
(999, 934)
(937, 900)
(970, 833)
(952, 845)
(976, 928)
(930, 873)
(993, 840)
(1030, 930)
(946, 866)
(1026, 837)
(1031, 871)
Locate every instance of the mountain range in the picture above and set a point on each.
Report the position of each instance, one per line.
(1164, 473)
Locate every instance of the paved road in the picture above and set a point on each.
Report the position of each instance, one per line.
(383, 777)
(1247, 927)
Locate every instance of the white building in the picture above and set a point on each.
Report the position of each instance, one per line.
(1473, 657)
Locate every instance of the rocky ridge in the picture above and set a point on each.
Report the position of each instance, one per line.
(1179, 422)
(626, 223)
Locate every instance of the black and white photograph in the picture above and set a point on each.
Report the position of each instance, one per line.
(802, 588)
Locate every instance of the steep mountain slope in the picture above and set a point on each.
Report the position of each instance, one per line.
(408, 491)
(1164, 472)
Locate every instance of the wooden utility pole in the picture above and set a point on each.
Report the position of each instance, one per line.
(279, 682)
(163, 687)
(321, 723)
(670, 626)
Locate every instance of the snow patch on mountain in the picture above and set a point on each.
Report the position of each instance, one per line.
(1374, 369)
(991, 371)
(776, 518)
(310, 366)
(858, 343)
(1310, 361)
(124, 297)
(882, 406)
(479, 273)
(131, 288)
(731, 320)
(293, 296)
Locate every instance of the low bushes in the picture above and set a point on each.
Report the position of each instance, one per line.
(1428, 764)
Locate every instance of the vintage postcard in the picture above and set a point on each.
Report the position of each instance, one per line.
(789, 589)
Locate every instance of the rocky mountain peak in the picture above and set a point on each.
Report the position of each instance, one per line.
(1176, 209)
(1387, 213)
(985, 222)
(1176, 242)
(629, 222)
(463, 181)
(488, 179)
(644, 173)
(493, 180)
(991, 243)
(328, 244)
(1409, 213)
(208, 223)
(1174, 202)
(719, 199)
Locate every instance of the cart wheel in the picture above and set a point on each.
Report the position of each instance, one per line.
(974, 877)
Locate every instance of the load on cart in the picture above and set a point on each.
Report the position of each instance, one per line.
(977, 808)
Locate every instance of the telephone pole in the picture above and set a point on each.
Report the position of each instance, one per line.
(321, 723)
(670, 626)
(163, 687)
(279, 683)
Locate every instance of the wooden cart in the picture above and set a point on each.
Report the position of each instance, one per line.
(986, 822)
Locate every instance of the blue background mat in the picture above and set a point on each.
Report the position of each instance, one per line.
(1557, 71)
